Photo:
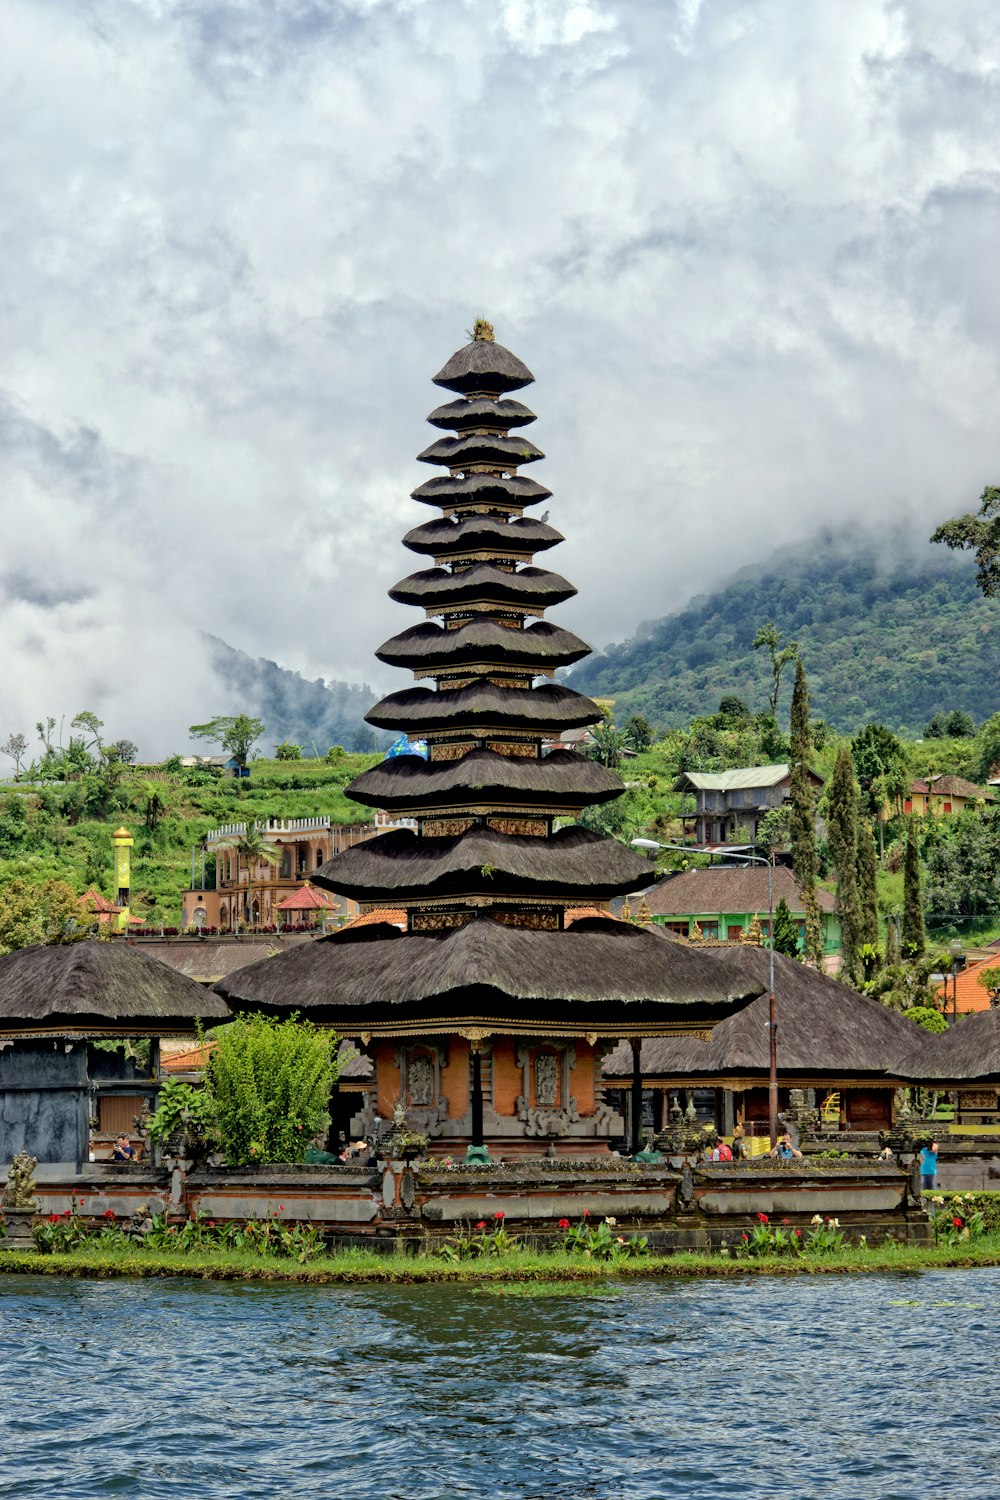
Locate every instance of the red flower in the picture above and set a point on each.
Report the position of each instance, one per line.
(481, 1224)
(786, 1221)
(109, 1213)
(173, 1229)
(957, 1223)
(54, 1218)
(563, 1223)
(763, 1219)
(744, 1236)
(798, 1234)
(281, 1208)
(67, 1213)
(211, 1223)
(500, 1215)
(586, 1213)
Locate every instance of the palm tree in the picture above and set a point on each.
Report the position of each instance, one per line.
(252, 847)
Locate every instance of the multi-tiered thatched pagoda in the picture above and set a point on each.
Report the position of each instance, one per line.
(488, 1017)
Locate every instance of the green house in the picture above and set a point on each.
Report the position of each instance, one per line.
(722, 901)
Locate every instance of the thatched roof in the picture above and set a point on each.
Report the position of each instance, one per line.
(481, 411)
(825, 1031)
(483, 366)
(504, 535)
(562, 780)
(98, 988)
(481, 448)
(515, 490)
(482, 582)
(483, 706)
(572, 863)
(483, 643)
(968, 1052)
(521, 536)
(729, 888)
(599, 974)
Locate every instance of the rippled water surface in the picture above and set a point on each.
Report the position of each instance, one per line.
(827, 1387)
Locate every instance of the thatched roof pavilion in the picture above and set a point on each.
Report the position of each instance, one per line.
(99, 989)
(489, 1014)
(829, 1038)
(968, 1052)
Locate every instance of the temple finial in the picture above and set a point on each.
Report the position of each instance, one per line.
(482, 332)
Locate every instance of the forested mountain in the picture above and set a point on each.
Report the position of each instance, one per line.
(887, 633)
(314, 714)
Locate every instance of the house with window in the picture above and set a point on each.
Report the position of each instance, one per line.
(729, 806)
(722, 902)
(943, 796)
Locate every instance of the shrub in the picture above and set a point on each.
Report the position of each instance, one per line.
(269, 1083)
(182, 1108)
(599, 1241)
(960, 1217)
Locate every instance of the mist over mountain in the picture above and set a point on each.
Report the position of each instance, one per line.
(314, 714)
(890, 629)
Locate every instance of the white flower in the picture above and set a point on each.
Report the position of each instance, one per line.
(939, 1201)
(816, 1219)
(611, 1222)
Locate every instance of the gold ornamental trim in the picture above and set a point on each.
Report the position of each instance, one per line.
(503, 1026)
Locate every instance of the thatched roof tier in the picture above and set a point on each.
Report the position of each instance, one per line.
(483, 583)
(520, 537)
(483, 367)
(503, 492)
(481, 411)
(968, 1052)
(541, 647)
(481, 448)
(482, 707)
(729, 888)
(98, 989)
(401, 866)
(562, 782)
(599, 975)
(827, 1033)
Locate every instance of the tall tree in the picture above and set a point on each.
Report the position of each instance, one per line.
(786, 930)
(867, 886)
(780, 654)
(981, 534)
(914, 938)
(842, 825)
(880, 766)
(802, 817)
(237, 733)
(16, 746)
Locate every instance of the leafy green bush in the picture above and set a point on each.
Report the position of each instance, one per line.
(599, 1241)
(967, 1206)
(269, 1084)
(182, 1108)
(483, 1242)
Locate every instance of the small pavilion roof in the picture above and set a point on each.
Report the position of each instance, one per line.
(307, 898)
(968, 1052)
(94, 901)
(98, 988)
(729, 888)
(825, 1031)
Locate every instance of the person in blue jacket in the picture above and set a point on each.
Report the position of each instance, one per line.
(928, 1160)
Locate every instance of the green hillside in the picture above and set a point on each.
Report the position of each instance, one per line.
(885, 640)
(45, 835)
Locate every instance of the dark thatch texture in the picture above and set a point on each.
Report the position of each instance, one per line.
(599, 974)
(457, 416)
(484, 706)
(562, 781)
(483, 642)
(482, 582)
(483, 366)
(481, 448)
(515, 490)
(968, 1052)
(520, 537)
(825, 1030)
(728, 888)
(96, 986)
(398, 866)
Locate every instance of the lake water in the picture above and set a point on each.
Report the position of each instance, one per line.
(833, 1387)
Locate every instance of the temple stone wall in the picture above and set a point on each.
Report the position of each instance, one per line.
(44, 1101)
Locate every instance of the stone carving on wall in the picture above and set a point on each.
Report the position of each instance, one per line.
(20, 1189)
(547, 1118)
(420, 1067)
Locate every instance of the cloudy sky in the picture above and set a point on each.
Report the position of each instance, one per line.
(748, 248)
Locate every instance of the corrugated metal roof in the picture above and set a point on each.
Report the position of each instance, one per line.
(740, 779)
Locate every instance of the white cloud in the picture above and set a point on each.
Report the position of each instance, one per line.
(747, 247)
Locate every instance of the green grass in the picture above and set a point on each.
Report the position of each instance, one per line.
(556, 1268)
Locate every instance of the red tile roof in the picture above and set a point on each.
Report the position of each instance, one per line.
(92, 900)
(971, 995)
(306, 899)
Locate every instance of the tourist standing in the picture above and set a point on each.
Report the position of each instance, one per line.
(928, 1160)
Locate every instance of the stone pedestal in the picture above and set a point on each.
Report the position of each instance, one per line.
(18, 1235)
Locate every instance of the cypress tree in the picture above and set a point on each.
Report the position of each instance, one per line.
(786, 930)
(842, 824)
(802, 818)
(914, 939)
(867, 888)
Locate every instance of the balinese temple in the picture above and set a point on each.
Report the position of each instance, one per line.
(488, 1015)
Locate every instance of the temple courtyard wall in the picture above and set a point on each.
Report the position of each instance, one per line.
(419, 1205)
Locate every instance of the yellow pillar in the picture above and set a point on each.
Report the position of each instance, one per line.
(123, 842)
